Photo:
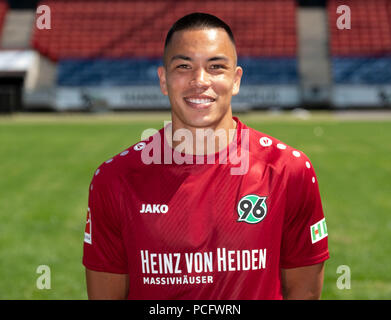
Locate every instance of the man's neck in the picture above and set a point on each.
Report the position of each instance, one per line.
(202, 140)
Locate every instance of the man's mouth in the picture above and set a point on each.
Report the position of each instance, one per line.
(201, 102)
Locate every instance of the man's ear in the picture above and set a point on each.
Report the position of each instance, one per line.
(161, 71)
(237, 79)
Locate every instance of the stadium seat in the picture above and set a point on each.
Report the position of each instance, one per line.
(92, 39)
(362, 54)
(259, 71)
(123, 72)
(264, 27)
(108, 72)
(3, 12)
(362, 70)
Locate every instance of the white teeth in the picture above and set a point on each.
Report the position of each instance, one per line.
(200, 101)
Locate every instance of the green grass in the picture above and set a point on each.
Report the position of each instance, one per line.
(47, 163)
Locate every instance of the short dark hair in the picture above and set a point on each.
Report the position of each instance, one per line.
(198, 20)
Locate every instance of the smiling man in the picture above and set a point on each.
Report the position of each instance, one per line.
(200, 75)
(194, 230)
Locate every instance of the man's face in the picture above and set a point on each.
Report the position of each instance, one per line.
(200, 77)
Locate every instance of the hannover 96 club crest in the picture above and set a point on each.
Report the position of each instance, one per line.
(252, 208)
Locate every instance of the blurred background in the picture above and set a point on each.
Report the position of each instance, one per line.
(76, 93)
(104, 54)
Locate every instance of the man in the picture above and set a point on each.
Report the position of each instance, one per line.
(190, 228)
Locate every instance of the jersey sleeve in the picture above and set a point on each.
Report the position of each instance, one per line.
(304, 234)
(103, 248)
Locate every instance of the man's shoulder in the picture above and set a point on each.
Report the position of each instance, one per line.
(122, 164)
(276, 153)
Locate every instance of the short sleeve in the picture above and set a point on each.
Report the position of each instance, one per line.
(103, 248)
(304, 234)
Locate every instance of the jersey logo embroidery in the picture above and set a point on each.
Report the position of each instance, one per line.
(87, 231)
(139, 146)
(319, 231)
(265, 142)
(252, 208)
(154, 208)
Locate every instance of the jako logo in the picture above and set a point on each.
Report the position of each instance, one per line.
(154, 208)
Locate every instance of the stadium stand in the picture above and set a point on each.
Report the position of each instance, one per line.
(362, 54)
(292, 52)
(108, 72)
(3, 12)
(103, 43)
(85, 29)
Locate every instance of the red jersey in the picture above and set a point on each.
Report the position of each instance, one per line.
(217, 230)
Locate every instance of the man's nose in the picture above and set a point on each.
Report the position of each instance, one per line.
(200, 78)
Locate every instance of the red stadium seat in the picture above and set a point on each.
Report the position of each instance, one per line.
(370, 32)
(3, 12)
(119, 27)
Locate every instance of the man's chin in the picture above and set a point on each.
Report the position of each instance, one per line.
(200, 122)
(189, 117)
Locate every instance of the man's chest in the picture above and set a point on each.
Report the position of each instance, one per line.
(205, 210)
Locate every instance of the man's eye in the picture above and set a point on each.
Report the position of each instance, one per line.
(217, 66)
(183, 66)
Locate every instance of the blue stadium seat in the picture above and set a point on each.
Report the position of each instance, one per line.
(362, 70)
(260, 71)
(124, 72)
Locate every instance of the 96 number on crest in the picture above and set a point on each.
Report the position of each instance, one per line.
(252, 208)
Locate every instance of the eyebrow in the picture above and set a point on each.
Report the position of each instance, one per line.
(182, 57)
